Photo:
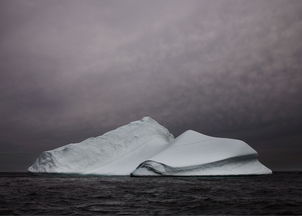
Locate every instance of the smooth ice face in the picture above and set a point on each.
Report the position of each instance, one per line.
(193, 153)
(117, 152)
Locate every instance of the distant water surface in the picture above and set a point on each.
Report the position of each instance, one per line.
(24, 193)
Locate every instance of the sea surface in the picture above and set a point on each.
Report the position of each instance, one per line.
(26, 194)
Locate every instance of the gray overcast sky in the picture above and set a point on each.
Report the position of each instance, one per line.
(74, 69)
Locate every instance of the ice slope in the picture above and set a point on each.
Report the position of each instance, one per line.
(117, 152)
(193, 153)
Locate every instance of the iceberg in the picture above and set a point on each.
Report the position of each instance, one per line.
(146, 148)
(196, 154)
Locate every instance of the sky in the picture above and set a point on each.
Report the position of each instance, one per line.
(74, 69)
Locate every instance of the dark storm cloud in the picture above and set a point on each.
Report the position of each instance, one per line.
(74, 69)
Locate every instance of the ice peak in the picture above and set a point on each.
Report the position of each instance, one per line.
(189, 132)
(192, 133)
(147, 119)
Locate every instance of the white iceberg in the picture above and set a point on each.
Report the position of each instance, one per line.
(196, 154)
(117, 152)
(145, 148)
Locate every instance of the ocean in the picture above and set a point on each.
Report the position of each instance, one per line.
(29, 194)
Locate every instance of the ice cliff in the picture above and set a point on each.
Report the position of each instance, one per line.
(145, 148)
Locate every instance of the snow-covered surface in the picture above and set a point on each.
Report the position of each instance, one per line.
(117, 152)
(193, 153)
(144, 147)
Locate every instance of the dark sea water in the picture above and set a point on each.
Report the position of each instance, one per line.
(22, 193)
